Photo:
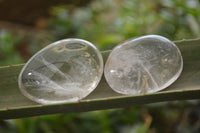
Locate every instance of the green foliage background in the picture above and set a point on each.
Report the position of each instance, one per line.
(106, 23)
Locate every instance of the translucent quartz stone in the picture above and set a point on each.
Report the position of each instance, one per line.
(65, 71)
(143, 65)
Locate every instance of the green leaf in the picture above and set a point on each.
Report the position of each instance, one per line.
(14, 105)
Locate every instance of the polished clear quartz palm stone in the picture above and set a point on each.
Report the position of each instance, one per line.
(143, 65)
(65, 71)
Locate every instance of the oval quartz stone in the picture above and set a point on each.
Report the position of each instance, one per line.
(143, 65)
(65, 71)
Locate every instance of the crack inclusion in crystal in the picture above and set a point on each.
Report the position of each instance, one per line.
(153, 66)
(143, 65)
(54, 69)
(144, 89)
(139, 78)
(47, 85)
(67, 86)
(142, 83)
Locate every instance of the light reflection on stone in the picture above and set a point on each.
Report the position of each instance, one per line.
(65, 71)
(143, 65)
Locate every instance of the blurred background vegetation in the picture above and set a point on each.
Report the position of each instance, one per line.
(26, 27)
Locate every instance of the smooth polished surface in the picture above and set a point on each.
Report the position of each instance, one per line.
(65, 71)
(143, 65)
(187, 87)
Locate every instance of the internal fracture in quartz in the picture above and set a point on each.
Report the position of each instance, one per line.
(65, 71)
(143, 65)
